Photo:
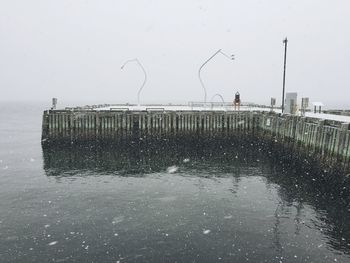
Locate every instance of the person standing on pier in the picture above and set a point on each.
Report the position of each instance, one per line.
(237, 101)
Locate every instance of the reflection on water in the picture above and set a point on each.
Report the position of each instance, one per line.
(329, 197)
(259, 209)
(152, 157)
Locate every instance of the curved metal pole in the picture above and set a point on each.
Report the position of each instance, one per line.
(144, 72)
(200, 68)
(218, 95)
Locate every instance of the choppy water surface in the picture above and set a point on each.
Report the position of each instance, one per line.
(211, 202)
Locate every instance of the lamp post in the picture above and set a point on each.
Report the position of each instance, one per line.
(200, 68)
(145, 76)
(285, 42)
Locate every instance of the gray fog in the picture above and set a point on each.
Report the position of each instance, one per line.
(73, 50)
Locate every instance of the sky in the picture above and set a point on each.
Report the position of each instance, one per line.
(73, 50)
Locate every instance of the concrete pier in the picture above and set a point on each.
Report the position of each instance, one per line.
(325, 140)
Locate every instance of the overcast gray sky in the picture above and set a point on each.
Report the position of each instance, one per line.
(73, 50)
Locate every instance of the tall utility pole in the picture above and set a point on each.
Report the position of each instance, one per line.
(285, 42)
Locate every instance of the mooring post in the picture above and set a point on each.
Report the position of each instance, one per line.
(71, 128)
(332, 148)
(347, 150)
(304, 131)
(341, 142)
(312, 132)
(45, 127)
(327, 141)
(318, 146)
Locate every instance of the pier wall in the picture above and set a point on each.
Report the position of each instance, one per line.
(326, 141)
(117, 126)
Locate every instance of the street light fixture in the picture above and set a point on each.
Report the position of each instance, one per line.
(145, 76)
(200, 68)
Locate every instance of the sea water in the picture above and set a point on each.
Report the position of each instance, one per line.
(209, 203)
